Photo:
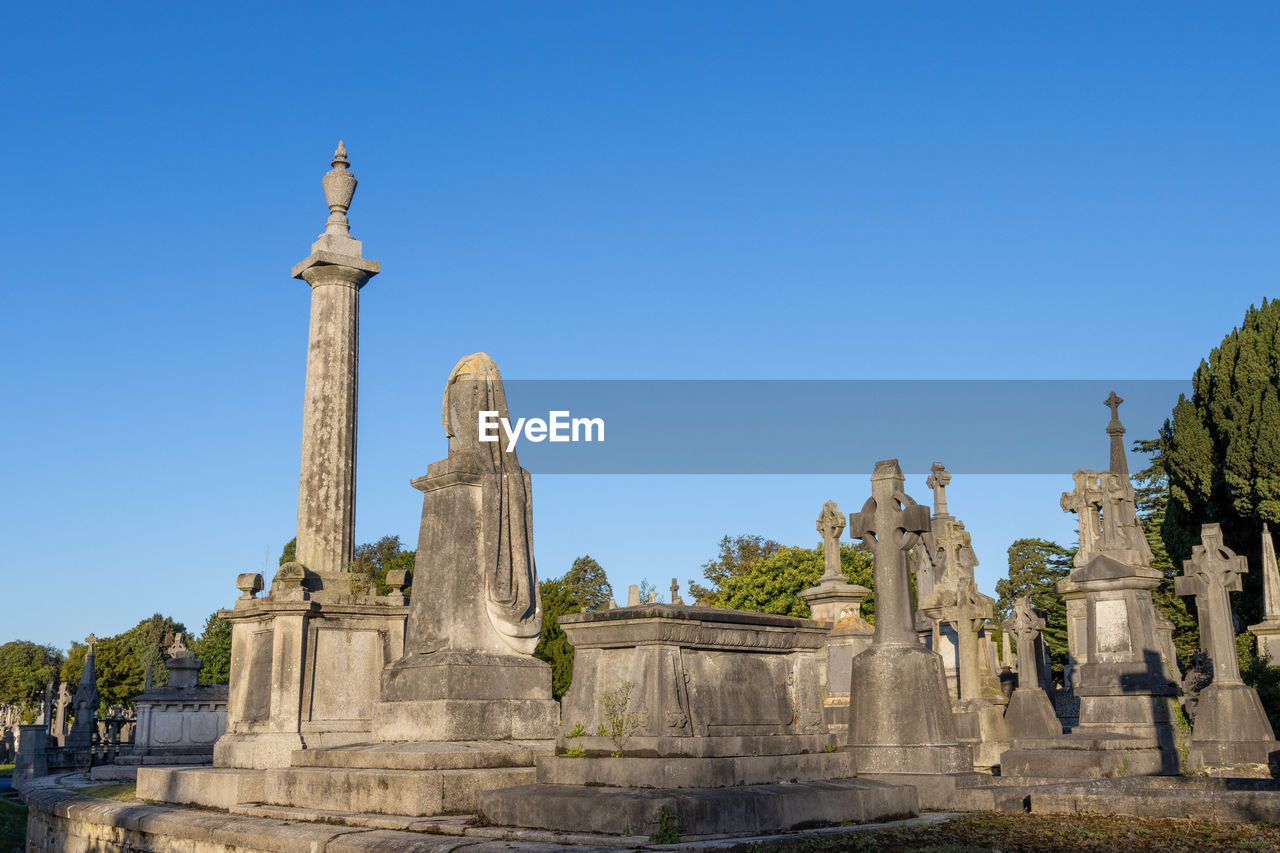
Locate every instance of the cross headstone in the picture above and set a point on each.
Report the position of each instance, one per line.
(675, 592)
(831, 523)
(938, 480)
(971, 613)
(89, 641)
(1213, 571)
(1086, 502)
(1025, 625)
(891, 522)
(1113, 402)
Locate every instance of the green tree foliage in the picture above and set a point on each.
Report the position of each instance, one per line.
(1151, 496)
(773, 583)
(290, 552)
(553, 646)
(25, 670)
(738, 555)
(374, 560)
(1221, 449)
(119, 660)
(214, 648)
(588, 584)
(1035, 565)
(1262, 675)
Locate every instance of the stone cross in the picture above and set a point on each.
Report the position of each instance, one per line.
(675, 592)
(938, 482)
(89, 641)
(971, 613)
(1086, 502)
(891, 522)
(1270, 578)
(1213, 571)
(831, 523)
(1119, 465)
(1025, 625)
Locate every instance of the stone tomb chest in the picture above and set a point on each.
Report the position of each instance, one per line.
(722, 730)
(697, 672)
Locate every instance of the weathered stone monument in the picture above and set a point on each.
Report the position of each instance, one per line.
(178, 723)
(1268, 630)
(900, 721)
(1119, 643)
(1030, 713)
(307, 657)
(1230, 725)
(837, 602)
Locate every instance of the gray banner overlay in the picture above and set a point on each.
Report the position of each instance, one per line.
(834, 426)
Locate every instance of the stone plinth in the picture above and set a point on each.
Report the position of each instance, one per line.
(304, 673)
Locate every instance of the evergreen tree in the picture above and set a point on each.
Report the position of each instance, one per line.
(214, 648)
(1221, 449)
(587, 582)
(553, 646)
(290, 552)
(1035, 565)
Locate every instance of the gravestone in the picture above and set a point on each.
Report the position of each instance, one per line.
(1030, 713)
(1231, 726)
(837, 603)
(84, 704)
(900, 721)
(178, 723)
(1268, 630)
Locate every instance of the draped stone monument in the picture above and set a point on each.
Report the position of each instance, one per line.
(900, 721)
(468, 672)
(1231, 726)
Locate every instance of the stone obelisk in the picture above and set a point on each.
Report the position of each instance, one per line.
(336, 271)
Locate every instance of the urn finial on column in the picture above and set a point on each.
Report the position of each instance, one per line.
(339, 188)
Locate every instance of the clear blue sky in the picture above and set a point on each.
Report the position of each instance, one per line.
(599, 190)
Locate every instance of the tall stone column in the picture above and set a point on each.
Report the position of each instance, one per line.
(336, 271)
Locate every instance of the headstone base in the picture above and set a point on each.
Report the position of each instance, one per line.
(980, 725)
(1081, 756)
(1231, 728)
(1030, 714)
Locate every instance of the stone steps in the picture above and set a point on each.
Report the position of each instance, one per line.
(412, 793)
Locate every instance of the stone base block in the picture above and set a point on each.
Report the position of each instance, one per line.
(1030, 714)
(260, 750)
(1223, 800)
(1231, 727)
(934, 791)
(1089, 757)
(466, 719)
(1233, 753)
(465, 675)
(412, 793)
(212, 787)
(980, 724)
(426, 756)
(694, 772)
(930, 758)
(114, 773)
(745, 810)
(700, 747)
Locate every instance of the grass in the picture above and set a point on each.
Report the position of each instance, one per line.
(123, 791)
(1021, 833)
(13, 827)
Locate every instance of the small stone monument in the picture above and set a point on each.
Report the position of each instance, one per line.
(1030, 713)
(1231, 726)
(84, 704)
(180, 722)
(900, 721)
(1268, 630)
(837, 602)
